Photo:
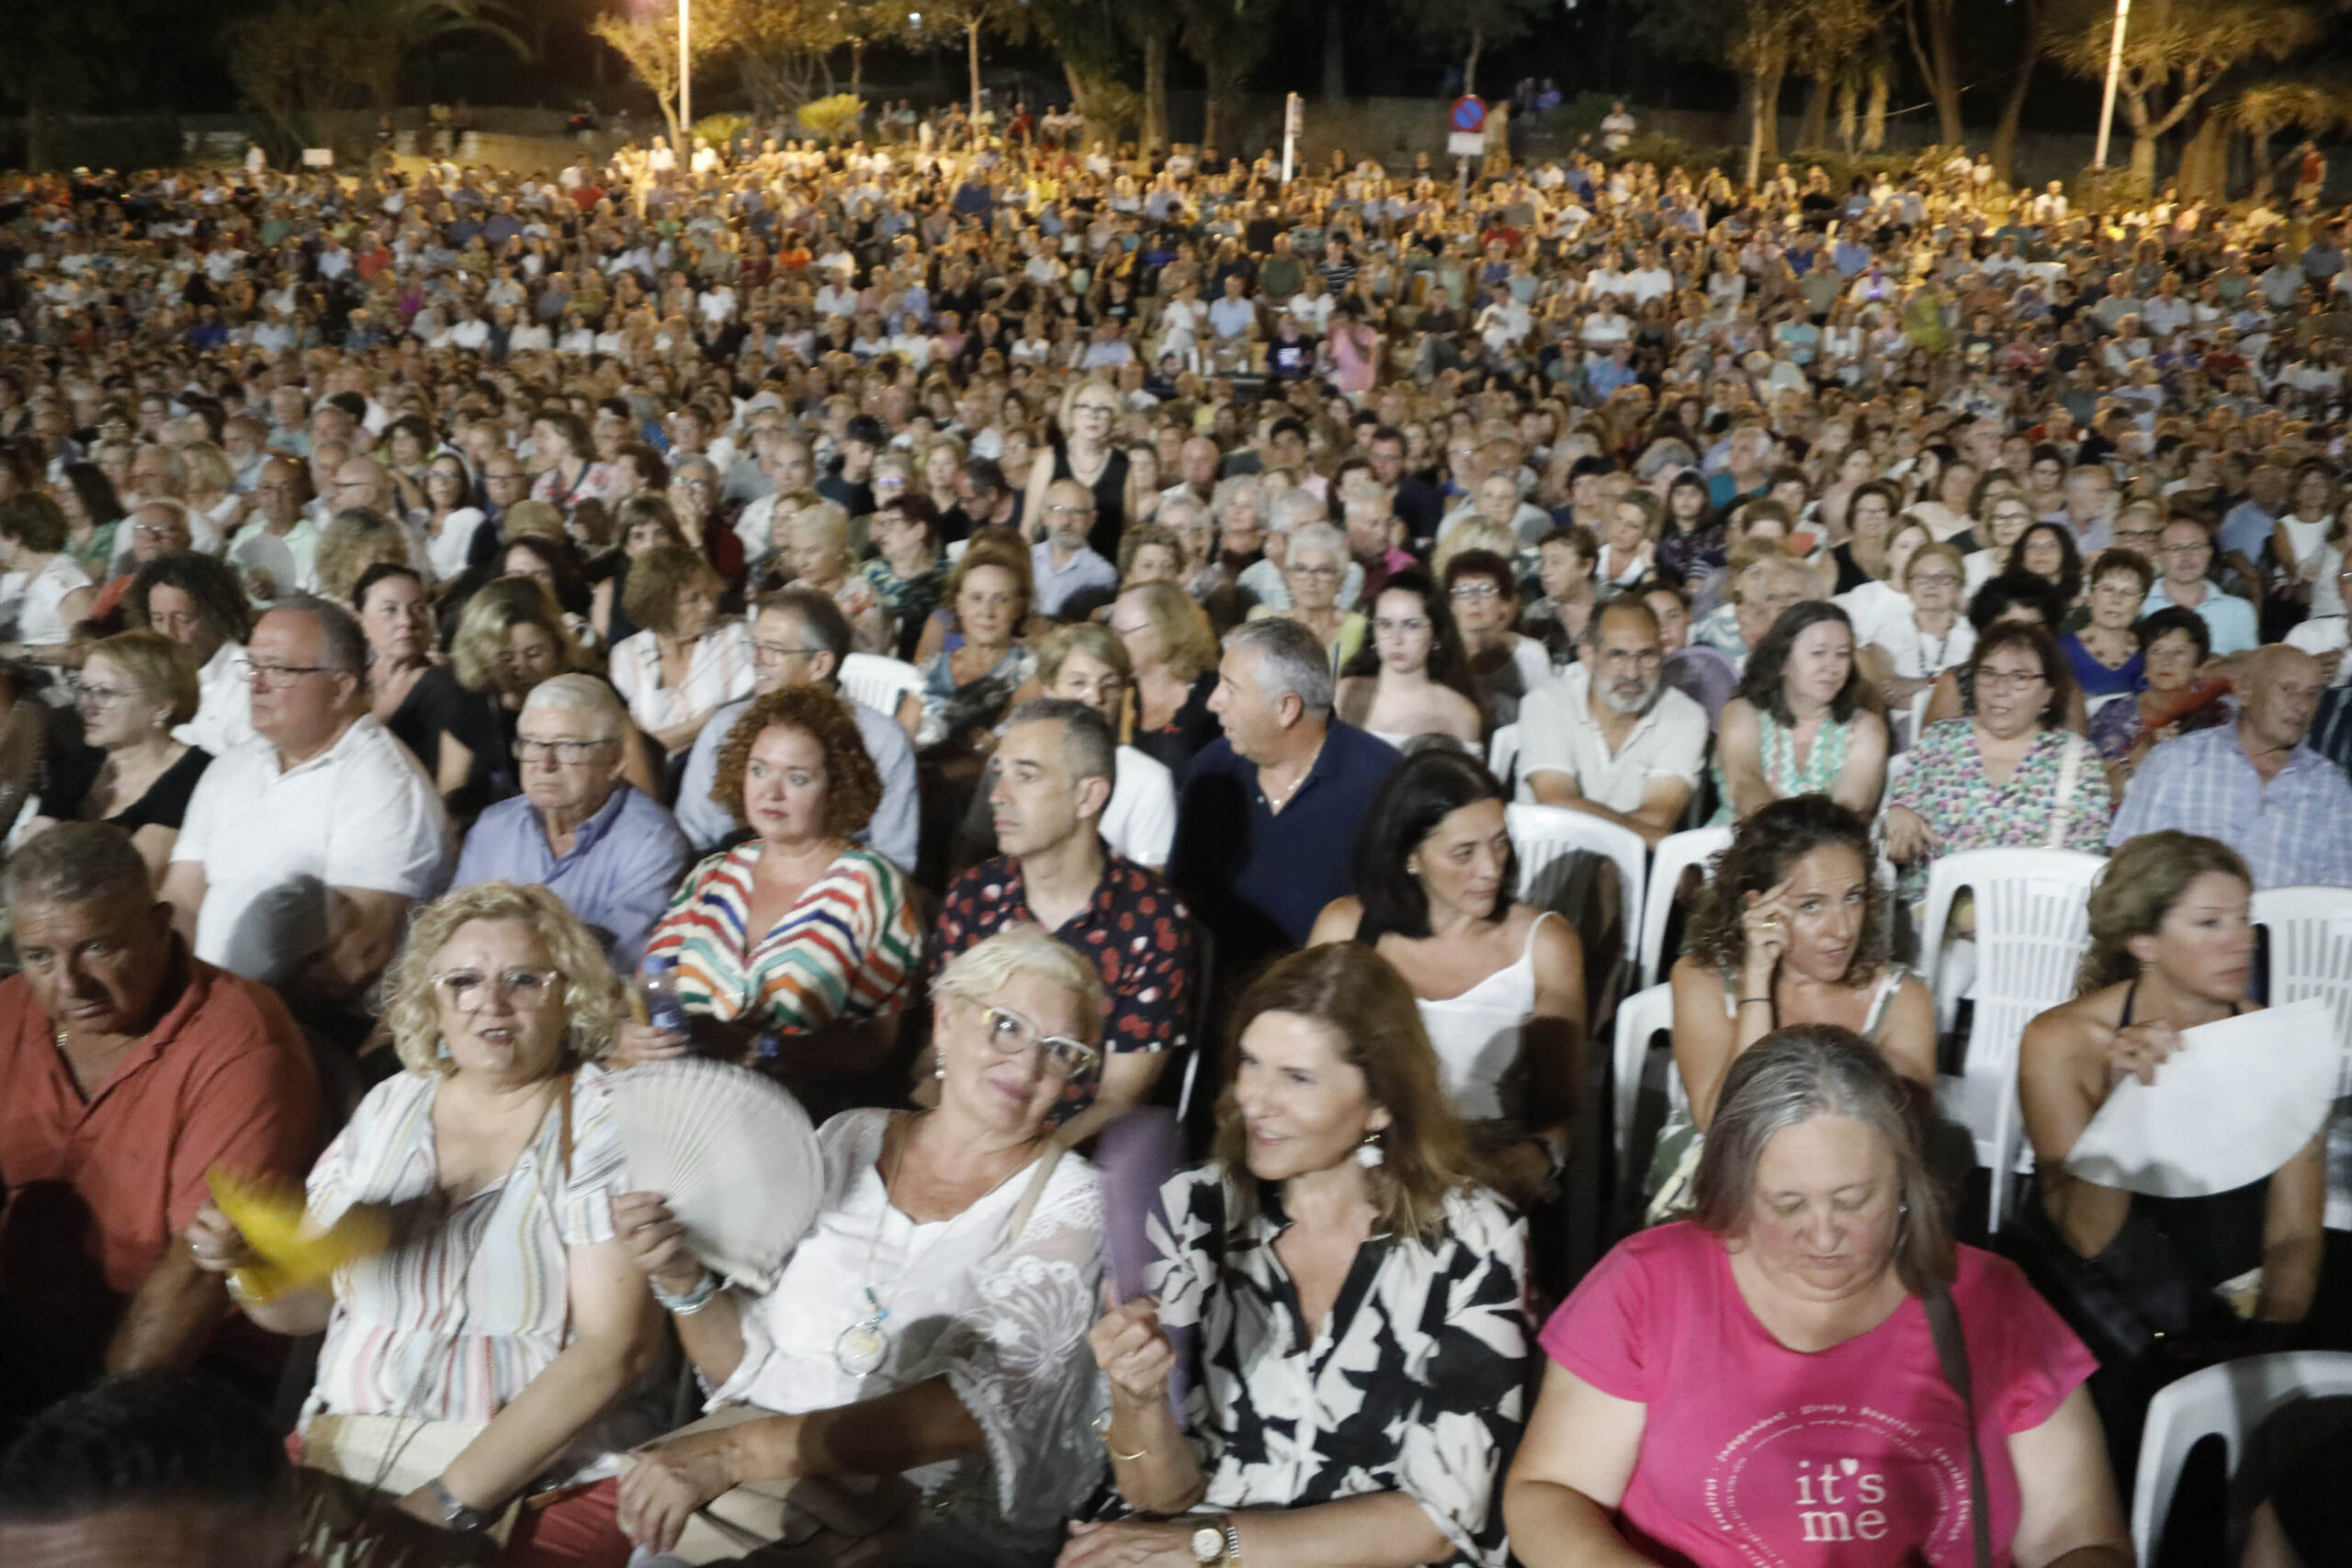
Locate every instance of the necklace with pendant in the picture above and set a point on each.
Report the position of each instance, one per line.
(860, 1349)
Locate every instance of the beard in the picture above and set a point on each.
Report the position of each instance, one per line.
(1635, 706)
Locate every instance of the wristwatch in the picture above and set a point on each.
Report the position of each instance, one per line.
(457, 1516)
(1208, 1545)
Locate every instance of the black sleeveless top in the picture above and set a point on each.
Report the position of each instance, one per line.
(2218, 1236)
(1110, 489)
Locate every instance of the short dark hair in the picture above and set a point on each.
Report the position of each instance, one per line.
(145, 1438)
(2037, 642)
(1761, 686)
(1418, 793)
(867, 430)
(2002, 593)
(2174, 619)
(818, 617)
(375, 575)
(1087, 745)
(77, 863)
(34, 521)
(1487, 564)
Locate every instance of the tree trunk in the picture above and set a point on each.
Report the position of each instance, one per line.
(1335, 48)
(857, 68)
(2143, 161)
(1848, 115)
(1874, 117)
(1814, 129)
(972, 63)
(1938, 63)
(1470, 66)
(2004, 133)
(39, 128)
(1155, 90)
(2205, 162)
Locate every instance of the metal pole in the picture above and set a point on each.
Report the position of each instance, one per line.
(685, 85)
(1290, 134)
(2114, 69)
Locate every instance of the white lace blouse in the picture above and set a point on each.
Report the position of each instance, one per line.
(1004, 1322)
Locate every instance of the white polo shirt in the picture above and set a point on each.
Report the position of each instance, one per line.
(1557, 735)
(224, 704)
(1139, 824)
(272, 840)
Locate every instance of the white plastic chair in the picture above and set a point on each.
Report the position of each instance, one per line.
(2310, 952)
(879, 682)
(1917, 713)
(2229, 1401)
(2033, 926)
(1640, 1018)
(1542, 834)
(1502, 753)
(1677, 852)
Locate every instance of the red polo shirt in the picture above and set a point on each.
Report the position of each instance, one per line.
(96, 1188)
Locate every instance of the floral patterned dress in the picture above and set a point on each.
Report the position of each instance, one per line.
(1776, 747)
(2040, 806)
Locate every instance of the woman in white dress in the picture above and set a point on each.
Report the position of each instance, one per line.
(933, 1321)
(1500, 984)
(1907, 652)
(687, 663)
(451, 520)
(57, 593)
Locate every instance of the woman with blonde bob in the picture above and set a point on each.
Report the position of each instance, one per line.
(1779, 1360)
(503, 1319)
(1340, 1211)
(931, 1325)
(137, 687)
(353, 541)
(1174, 654)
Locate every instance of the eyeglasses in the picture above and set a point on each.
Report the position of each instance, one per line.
(156, 530)
(1009, 1034)
(1933, 578)
(2199, 547)
(101, 696)
(1319, 572)
(776, 652)
(277, 677)
(1477, 591)
(1097, 408)
(469, 990)
(1066, 510)
(2008, 679)
(564, 751)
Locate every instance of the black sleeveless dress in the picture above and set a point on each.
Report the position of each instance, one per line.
(1110, 489)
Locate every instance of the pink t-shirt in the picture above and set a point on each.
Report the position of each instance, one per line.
(1763, 1457)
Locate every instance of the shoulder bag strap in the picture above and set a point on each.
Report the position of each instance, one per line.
(1951, 1353)
(2070, 769)
(1034, 1190)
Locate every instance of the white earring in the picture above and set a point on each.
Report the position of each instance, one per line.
(1369, 1154)
(939, 1070)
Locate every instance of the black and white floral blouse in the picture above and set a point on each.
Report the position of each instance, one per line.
(1416, 1383)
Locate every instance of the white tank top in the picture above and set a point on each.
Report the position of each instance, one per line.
(1476, 1034)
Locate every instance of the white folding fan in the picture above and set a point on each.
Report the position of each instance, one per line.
(730, 1152)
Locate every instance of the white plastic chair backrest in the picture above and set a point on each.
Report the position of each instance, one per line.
(1677, 852)
(1917, 713)
(956, 549)
(2230, 1401)
(878, 681)
(1502, 753)
(2033, 926)
(2310, 952)
(1542, 834)
(1641, 1018)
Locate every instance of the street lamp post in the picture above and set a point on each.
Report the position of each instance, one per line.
(2114, 70)
(685, 81)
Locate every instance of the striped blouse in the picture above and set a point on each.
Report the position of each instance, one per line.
(452, 1322)
(844, 951)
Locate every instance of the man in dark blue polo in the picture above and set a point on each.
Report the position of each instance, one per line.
(1267, 822)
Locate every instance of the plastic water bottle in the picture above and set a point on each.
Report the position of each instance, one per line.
(664, 1009)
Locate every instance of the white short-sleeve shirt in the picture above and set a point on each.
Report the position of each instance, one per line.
(1139, 823)
(1557, 735)
(272, 840)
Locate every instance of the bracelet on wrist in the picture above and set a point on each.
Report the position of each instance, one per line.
(693, 1300)
(1102, 1431)
(1745, 1000)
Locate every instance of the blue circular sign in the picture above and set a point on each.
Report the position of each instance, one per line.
(1469, 114)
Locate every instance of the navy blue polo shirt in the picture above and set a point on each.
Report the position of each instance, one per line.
(1256, 877)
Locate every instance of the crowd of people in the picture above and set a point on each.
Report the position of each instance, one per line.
(996, 635)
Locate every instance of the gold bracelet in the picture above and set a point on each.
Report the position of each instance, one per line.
(1102, 1431)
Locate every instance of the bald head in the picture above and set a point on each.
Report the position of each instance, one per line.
(361, 482)
(1069, 514)
(2278, 691)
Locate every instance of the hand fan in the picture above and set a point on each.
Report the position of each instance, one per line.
(270, 1213)
(730, 1152)
(1136, 1153)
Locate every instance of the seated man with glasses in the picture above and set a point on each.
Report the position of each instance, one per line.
(1609, 737)
(578, 829)
(799, 638)
(2186, 562)
(1069, 574)
(304, 847)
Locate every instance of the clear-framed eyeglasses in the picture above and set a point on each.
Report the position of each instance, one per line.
(469, 990)
(1009, 1034)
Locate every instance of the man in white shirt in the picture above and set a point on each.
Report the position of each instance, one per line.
(277, 497)
(791, 469)
(303, 849)
(1609, 737)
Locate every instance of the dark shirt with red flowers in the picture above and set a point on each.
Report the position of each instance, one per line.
(1135, 930)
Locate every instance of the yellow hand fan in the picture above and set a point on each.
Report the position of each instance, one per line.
(291, 1255)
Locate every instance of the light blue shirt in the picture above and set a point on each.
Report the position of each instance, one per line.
(2296, 830)
(1057, 585)
(624, 864)
(890, 832)
(2228, 618)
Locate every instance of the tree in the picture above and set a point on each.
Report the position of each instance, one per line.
(2174, 52)
(1228, 39)
(2004, 133)
(1929, 27)
(1829, 42)
(1007, 18)
(1473, 26)
(2266, 110)
(647, 43)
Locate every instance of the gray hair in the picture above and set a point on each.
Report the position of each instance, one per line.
(581, 695)
(1232, 485)
(178, 508)
(1793, 1076)
(343, 646)
(975, 976)
(1291, 660)
(1319, 537)
(77, 863)
(1296, 507)
(1175, 503)
(1088, 745)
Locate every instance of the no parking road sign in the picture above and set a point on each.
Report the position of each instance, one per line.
(1468, 115)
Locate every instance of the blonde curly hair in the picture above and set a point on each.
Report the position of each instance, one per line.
(591, 1001)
